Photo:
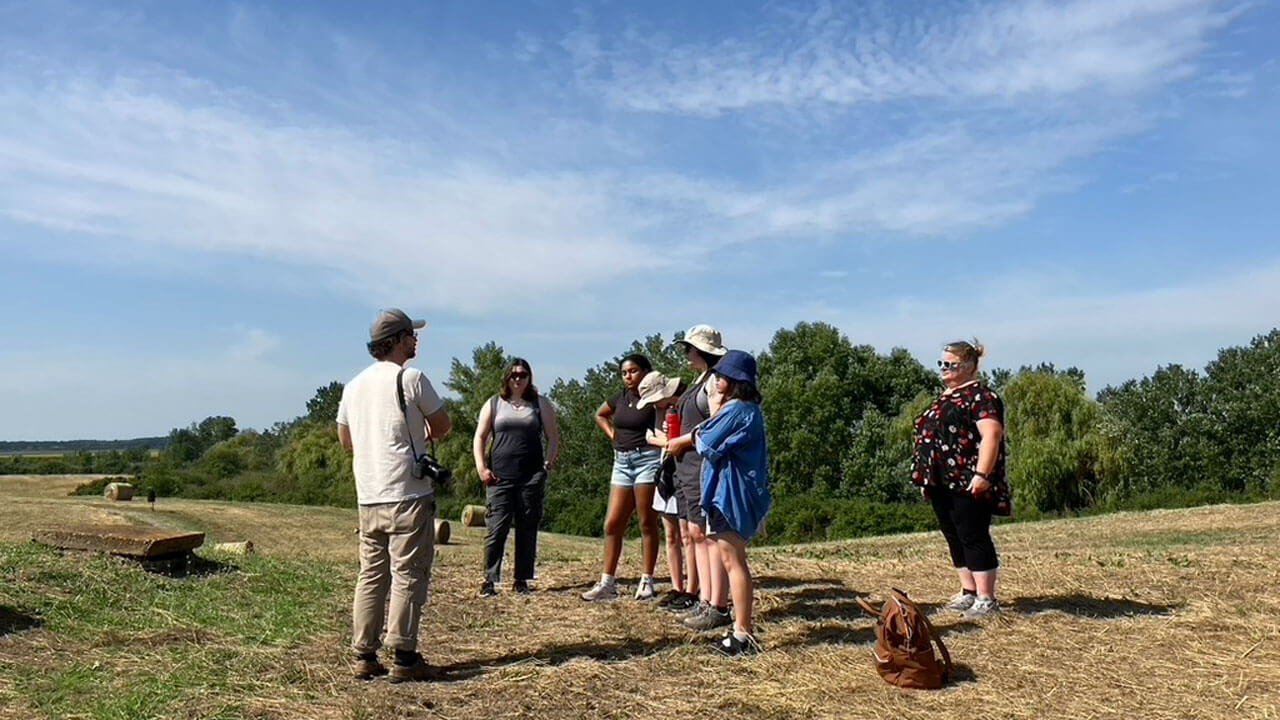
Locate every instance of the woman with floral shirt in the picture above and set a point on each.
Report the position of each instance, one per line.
(959, 466)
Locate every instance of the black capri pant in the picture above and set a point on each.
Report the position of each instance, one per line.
(966, 524)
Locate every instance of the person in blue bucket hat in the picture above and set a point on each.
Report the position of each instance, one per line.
(735, 484)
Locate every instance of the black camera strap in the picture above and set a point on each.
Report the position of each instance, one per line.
(404, 411)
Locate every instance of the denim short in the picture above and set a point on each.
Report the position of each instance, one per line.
(635, 467)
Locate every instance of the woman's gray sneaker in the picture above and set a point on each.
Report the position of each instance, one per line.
(982, 607)
(601, 591)
(709, 619)
(960, 602)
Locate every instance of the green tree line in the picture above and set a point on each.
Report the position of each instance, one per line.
(840, 420)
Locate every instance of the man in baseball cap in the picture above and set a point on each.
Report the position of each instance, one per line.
(397, 505)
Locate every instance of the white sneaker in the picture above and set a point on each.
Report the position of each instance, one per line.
(601, 591)
(646, 590)
(960, 602)
(982, 607)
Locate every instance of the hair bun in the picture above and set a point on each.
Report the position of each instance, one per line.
(979, 348)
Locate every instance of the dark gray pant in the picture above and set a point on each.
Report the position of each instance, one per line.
(516, 502)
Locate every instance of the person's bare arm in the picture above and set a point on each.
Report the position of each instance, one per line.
(602, 419)
(344, 437)
(552, 425)
(480, 444)
(992, 433)
(438, 424)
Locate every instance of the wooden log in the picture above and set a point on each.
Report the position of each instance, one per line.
(130, 540)
(118, 491)
(243, 547)
(473, 516)
(442, 532)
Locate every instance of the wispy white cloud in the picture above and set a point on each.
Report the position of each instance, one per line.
(851, 55)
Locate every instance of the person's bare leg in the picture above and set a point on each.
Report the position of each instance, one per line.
(621, 506)
(648, 527)
(733, 549)
(718, 575)
(700, 544)
(967, 580)
(675, 553)
(691, 583)
(985, 582)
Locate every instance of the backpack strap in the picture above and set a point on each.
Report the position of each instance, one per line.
(933, 633)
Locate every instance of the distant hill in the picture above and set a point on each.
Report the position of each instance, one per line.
(53, 447)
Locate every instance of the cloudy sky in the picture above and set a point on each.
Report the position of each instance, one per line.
(203, 205)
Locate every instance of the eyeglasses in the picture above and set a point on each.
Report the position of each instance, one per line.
(949, 365)
(520, 376)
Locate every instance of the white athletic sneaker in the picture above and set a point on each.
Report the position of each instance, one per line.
(601, 591)
(646, 591)
(982, 607)
(960, 602)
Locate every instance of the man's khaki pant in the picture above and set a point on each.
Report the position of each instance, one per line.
(397, 545)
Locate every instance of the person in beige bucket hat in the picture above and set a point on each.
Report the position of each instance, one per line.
(708, 586)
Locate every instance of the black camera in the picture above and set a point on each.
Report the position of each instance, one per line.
(425, 466)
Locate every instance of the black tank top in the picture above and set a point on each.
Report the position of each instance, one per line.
(695, 407)
(517, 441)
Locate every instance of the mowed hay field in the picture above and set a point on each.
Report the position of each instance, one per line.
(1170, 614)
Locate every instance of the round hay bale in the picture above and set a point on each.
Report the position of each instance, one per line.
(442, 532)
(473, 516)
(243, 547)
(117, 491)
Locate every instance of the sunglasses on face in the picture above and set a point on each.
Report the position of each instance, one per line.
(949, 365)
(519, 376)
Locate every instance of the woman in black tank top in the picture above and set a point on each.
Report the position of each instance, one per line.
(635, 467)
(514, 471)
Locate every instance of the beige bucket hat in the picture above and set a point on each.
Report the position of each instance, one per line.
(655, 387)
(705, 338)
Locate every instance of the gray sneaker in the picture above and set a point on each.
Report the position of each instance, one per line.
(645, 590)
(698, 607)
(959, 602)
(708, 620)
(982, 607)
(601, 591)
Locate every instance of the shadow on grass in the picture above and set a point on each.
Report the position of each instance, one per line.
(12, 621)
(557, 655)
(837, 634)
(816, 604)
(1086, 607)
(186, 566)
(775, 582)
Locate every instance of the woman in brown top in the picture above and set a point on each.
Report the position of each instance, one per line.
(959, 466)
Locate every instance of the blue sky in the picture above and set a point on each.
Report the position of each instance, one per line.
(202, 206)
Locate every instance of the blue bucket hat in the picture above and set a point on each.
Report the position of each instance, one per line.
(738, 366)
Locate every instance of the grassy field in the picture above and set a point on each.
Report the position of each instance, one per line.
(1168, 614)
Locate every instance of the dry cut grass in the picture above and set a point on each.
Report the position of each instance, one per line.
(1169, 614)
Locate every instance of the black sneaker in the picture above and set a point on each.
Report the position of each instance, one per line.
(488, 590)
(731, 646)
(683, 602)
(522, 587)
(668, 597)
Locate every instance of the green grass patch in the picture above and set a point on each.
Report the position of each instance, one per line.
(129, 643)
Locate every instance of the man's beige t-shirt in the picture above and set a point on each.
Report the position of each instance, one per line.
(382, 456)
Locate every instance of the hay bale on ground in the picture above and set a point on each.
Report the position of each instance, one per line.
(442, 532)
(244, 547)
(473, 516)
(118, 491)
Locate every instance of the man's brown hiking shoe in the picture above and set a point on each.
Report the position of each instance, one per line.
(367, 667)
(417, 672)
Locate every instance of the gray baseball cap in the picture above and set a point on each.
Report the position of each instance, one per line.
(392, 321)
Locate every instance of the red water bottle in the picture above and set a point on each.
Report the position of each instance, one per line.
(673, 422)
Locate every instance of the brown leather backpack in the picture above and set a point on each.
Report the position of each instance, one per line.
(904, 645)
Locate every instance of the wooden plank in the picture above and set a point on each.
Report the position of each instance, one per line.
(134, 541)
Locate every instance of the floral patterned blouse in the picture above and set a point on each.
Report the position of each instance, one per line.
(947, 438)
